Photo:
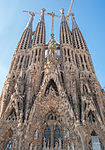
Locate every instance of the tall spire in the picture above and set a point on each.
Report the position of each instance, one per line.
(65, 34)
(26, 38)
(78, 40)
(29, 25)
(39, 34)
(63, 18)
(42, 14)
(32, 14)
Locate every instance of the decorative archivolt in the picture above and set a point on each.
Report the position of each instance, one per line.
(51, 87)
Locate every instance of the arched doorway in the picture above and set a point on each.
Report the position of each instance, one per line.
(52, 133)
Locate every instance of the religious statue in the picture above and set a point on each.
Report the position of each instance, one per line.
(36, 134)
(19, 87)
(56, 146)
(60, 144)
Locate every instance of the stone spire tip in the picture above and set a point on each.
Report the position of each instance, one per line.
(29, 25)
(62, 11)
(42, 14)
(63, 18)
(74, 24)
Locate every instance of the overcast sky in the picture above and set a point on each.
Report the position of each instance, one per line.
(90, 17)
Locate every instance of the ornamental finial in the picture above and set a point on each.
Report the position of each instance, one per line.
(62, 11)
(63, 18)
(42, 11)
(74, 24)
(42, 14)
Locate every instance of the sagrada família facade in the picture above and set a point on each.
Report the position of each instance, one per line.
(51, 98)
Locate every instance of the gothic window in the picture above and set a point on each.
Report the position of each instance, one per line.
(21, 62)
(83, 41)
(66, 34)
(26, 41)
(44, 39)
(38, 35)
(73, 40)
(42, 35)
(30, 42)
(81, 59)
(62, 77)
(63, 34)
(72, 55)
(80, 39)
(25, 45)
(77, 40)
(36, 53)
(34, 38)
(18, 59)
(77, 60)
(23, 40)
(86, 62)
(64, 51)
(85, 59)
(39, 59)
(39, 51)
(69, 34)
(68, 52)
(82, 62)
(27, 61)
(35, 60)
(22, 44)
(22, 59)
(31, 57)
(65, 59)
(85, 89)
(69, 60)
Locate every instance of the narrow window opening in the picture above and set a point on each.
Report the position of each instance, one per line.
(68, 52)
(64, 51)
(36, 53)
(77, 60)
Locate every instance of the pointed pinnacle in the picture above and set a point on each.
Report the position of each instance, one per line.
(62, 11)
(42, 15)
(63, 18)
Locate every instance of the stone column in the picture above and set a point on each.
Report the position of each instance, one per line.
(52, 140)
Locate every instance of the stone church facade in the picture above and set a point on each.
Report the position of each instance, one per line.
(51, 98)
